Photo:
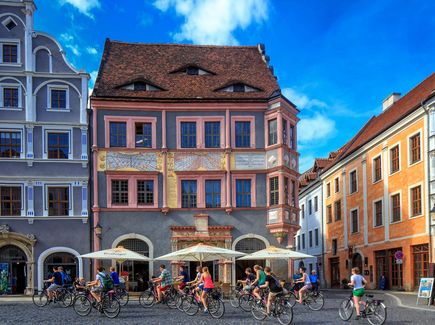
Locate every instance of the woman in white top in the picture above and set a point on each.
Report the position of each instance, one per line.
(358, 283)
(307, 283)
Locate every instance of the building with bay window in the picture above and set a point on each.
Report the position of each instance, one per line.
(192, 144)
(43, 154)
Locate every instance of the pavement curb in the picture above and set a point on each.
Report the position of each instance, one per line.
(400, 304)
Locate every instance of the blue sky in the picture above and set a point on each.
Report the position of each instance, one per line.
(337, 60)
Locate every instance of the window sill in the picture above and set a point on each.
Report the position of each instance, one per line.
(11, 64)
(65, 110)
(380, 226)
(11, 108)
(395, 222)
(416, 216)
(396, 172)
(414, 163)
(377, 181)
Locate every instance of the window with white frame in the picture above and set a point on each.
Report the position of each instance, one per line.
(57, 144)
(10, 143)
(378, 219)
(10, 96)
(58, 200)
(58, 97)
(353, 182)
(10, 51)
(354, 221)
(396, 213)
(377, 169)
(415, 201)
(414, 149)
(10, 200)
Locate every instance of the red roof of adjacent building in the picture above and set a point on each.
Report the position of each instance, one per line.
(400, 109)
(161, 65)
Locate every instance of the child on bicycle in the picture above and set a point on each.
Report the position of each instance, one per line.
(305, 279)
(358, 283)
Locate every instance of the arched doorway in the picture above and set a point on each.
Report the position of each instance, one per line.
(13, 270)
(248, 245)
(67, 260)
(357, 261)
(136, 271)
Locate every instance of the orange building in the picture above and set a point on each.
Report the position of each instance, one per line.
(376, 202)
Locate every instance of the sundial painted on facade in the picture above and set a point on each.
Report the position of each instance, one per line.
(138, 161)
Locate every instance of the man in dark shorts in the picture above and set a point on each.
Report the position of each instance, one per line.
(56, 282)
(183, 277)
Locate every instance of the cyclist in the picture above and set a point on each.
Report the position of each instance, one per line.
(358, 282)
(260, 278)
(208, 286)
(79, 284)
(305, 279)
(165, 280)
(97, 285)
(56, 282)
(274, 286)
(197, 282)
(183, 277)
(115, 277)
(250, 278)
(314, 279)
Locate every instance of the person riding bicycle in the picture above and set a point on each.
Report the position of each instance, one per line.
(260, 278)
(165, 280)
(208, 286)
(358, 283)
(183, 278)
(314, 278)
(305, 279)
(274, 286)
(56, 282)
(97, 285)
(115, 277)
(79, 284)
(250, 277)
(197, 282)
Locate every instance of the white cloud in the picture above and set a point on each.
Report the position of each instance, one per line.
(214, 21)
(301, 100)
(91, 50)
(83, 6)
(316, 127)
(69, 42)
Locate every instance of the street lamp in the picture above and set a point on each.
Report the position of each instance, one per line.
(98, 230)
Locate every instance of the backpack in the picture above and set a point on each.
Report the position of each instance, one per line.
(277, 283)
(67, 279)
(107, 281)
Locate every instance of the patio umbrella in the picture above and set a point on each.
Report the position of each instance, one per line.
(119, 254)
(200, 253)
(275, 253)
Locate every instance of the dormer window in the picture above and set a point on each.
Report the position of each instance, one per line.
(9, 23)
(192, 71)
(239, 88)
(141, 86)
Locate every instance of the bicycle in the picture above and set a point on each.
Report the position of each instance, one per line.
(191, 303)
(280, 308)
(313, 299)
(109, 304)
(374, 310)
(122, 294)
(149, 297)
(61, 295)
(246, 300)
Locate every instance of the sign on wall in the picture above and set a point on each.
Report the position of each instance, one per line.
(250, 161)
(425, 289)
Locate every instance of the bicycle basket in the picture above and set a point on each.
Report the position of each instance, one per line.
(216, 294)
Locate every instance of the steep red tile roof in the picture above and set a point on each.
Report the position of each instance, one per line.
(157, 64)
(400, 109)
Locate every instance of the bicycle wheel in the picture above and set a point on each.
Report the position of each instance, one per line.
(147, 299)
(376, 313)
(65, 299)
(291, 298)
(111, 306)
(284, 312)
(190, 306)
(171, 300)
(258, 310)
(345, 310)
(179, 302)
(216, 308)
(123, 297)
(82, 305)
(315, 302)
(245, 302)
(234, 299)
(40, 298)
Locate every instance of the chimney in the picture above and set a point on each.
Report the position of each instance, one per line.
(390, 100)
